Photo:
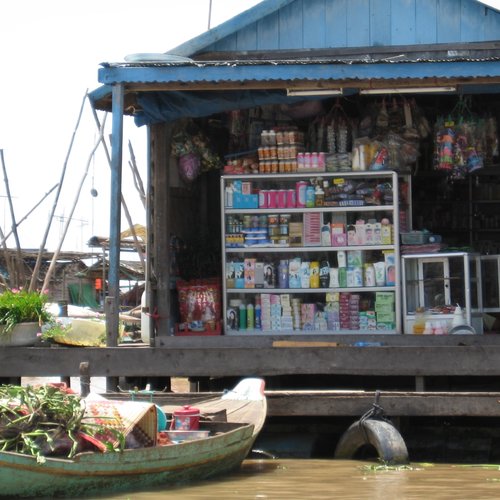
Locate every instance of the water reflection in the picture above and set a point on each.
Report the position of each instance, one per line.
(337, 479)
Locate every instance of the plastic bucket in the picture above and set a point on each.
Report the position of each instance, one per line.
(186, 419)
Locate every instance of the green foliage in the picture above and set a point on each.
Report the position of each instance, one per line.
(54, 330)
(45, 420)
(22, 306)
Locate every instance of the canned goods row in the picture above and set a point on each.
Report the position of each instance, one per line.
(277, 166)
(277, 198)
(288, 152)
(311, 160)
(281, 137)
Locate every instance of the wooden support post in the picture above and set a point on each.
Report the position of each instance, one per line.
(112, 314)
(159, 233)
(419, 384)
(84, 379)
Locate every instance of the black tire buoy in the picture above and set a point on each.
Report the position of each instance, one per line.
(382, 435)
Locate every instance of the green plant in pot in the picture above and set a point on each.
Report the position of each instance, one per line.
(22, 313)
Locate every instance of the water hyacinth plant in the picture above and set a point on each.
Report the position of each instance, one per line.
(22, 306)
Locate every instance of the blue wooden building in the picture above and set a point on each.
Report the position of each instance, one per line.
(261, 57)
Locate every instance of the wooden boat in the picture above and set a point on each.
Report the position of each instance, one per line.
(90, 473)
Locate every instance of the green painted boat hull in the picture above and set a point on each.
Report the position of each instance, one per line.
(98, 473)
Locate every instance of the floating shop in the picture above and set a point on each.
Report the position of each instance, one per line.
(323, 191)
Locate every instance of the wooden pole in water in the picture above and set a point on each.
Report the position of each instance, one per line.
(36, 269)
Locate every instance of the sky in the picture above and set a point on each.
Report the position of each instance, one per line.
(50, 54)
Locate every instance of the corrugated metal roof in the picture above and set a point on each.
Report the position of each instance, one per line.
(305, 69)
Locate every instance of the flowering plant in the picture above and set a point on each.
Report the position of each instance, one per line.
(22, 306)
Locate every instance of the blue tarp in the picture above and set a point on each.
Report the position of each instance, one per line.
(158, 107)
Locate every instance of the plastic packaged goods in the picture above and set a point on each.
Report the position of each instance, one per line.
(243, 317)
(250, 316)
(419, 324)
(314, 274)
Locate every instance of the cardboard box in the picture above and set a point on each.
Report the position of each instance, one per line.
(250, 273)
(239, 275)
(384, 298)
(377, 237)
(386, 234)
(312, 229)
(245, 200)
(259, 275)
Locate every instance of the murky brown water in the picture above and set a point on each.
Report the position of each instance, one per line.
(337, 479)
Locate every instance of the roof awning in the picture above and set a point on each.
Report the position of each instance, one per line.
(164, 91)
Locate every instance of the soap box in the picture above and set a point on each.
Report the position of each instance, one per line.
(239, 275)
(249, 273)
(259, 275)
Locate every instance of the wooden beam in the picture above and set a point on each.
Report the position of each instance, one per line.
(348, 403)
(455, 361)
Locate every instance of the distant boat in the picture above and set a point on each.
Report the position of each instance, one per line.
(222, 448)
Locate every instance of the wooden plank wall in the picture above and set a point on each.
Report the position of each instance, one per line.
(316, 24)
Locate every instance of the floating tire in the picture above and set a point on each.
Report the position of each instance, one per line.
(383, 436)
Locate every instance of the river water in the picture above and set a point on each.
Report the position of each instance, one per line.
(293, 479)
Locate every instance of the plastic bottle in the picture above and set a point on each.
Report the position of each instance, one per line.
(458, 317)
(324, 274)
(258, 321)
(250, 317)
(429, 328)
(419, 324)
(319, 196)
(243, 317)
(314, 274)
(310, 197)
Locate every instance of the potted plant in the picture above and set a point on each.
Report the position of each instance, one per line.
(22, 313)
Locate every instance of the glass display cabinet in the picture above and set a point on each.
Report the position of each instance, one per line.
(437, 283)
(490, 272)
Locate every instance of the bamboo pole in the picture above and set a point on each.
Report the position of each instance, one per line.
(19, 261)
(137, 244)
(8, 260)
(136, 175)
(68, 222)
(38, 263)
(6, 237)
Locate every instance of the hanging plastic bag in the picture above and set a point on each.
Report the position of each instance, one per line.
(189, 167)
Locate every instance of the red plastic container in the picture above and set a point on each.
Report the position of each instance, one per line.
(186, 419)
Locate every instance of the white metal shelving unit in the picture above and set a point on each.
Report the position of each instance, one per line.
(288, 181)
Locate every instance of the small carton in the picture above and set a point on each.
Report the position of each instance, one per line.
(250, 273)
(377, 237)
(384, 298)
(295, 232)
(259, 275)
(294, 273)
(386, 234)
(384, 307)
(352, 237)
(355, 258)
(239, 275)
(230, 274)
(360, 232)
(369, 236)
(312, 229)
(390, 268)
(339, 237)
(386, 317)
(246, 187)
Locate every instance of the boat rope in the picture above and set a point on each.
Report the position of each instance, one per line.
(376, 412)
